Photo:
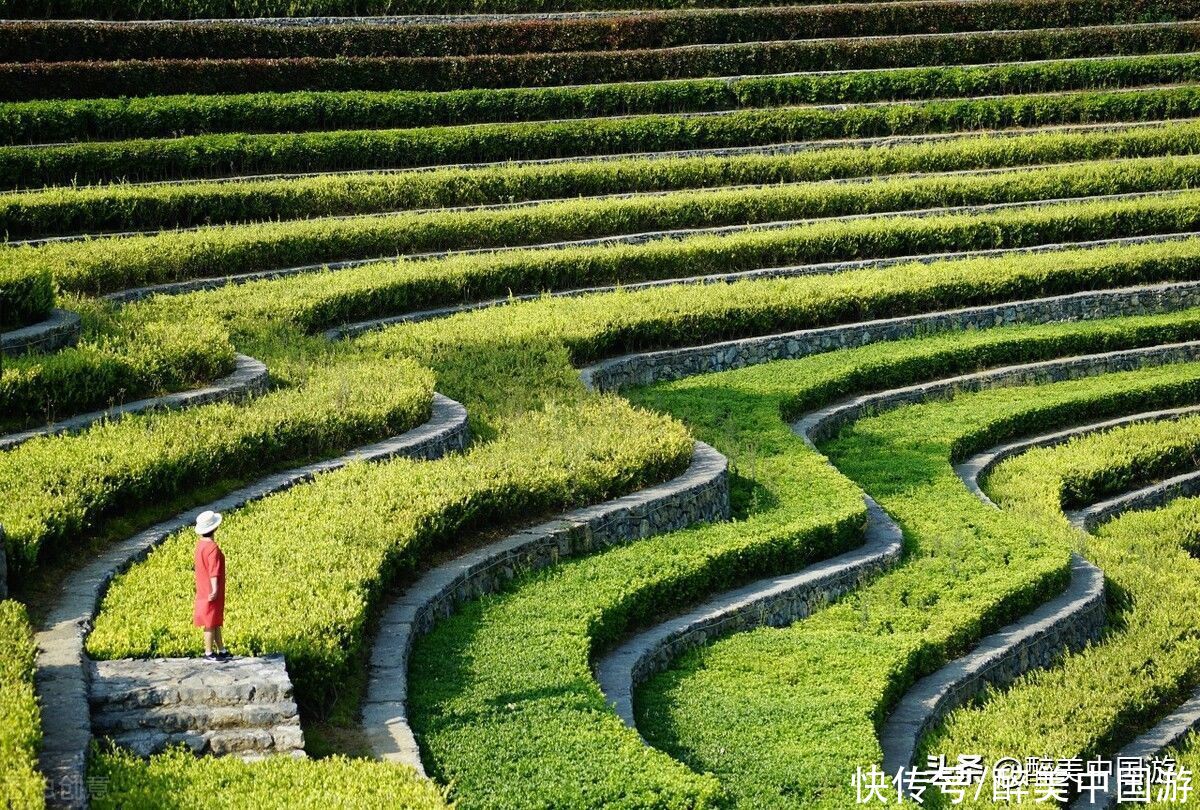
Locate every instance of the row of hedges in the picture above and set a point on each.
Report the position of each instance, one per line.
(204, 9)
(125, 363)
(319, 301)
(26, 296)
(394, 512)
(172, 116)
(400, 509)
(213, 155)
(103, 266)
(1099, 699)
(91, 40)
(21, 786)
(61, 211)
(178, 778)
(561, 738)
(819, 689)
(34, 80)
(56, 490)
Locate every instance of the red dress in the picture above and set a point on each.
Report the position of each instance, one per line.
(210, 562)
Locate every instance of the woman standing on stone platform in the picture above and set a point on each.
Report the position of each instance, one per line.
(209, 609)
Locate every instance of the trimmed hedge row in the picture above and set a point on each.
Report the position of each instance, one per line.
(91, 40)
(203, 9)
(101, 266)
(363, 525)
(21, 786)
(557, 732)
(173, 116)
(57, 490)
(112, 366)
(61, 211)
(214, 155)
(1100, 698)
(818, 689)
(26, 296)
(319, 301)
(33, 80)
(179, 778)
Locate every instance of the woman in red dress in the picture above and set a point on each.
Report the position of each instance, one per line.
(209, 610)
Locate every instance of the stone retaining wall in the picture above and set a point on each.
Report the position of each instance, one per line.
(672, 364)
(58, 331)
(775, 602)
(1150, 497)
(1068, 622)
(645, 237)
(699, 495)
(63, 667)
(248, 377)
(350, 330)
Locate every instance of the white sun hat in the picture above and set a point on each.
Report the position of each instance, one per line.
(207, 523)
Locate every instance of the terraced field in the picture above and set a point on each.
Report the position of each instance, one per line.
(681, 406)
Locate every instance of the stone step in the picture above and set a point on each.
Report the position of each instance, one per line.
(249, 743)
(142, 684)
(242, 707)
(197, 718)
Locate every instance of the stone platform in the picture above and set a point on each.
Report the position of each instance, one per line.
(242, 707)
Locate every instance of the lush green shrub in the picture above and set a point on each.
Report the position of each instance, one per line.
(556, 734)
(56, 490)
(203, 155)
(119, 207)
(137, 360)
(172, 116)
(1100, 698)
(179, 779)
(26, 295)
(650, 317)
(32, 80)
(82, 40)
(21, 786)
(109, 265)
(361, 525)
(817, 689)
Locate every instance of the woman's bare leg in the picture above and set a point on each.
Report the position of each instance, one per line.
(209, 632)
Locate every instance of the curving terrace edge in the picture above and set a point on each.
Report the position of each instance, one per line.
(249, 376)
(1185, 717)
(699, 494)
(59, 330)
(62, 675)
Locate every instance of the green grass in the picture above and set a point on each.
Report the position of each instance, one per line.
(511, 674)
(784, 715)
(1098, 700)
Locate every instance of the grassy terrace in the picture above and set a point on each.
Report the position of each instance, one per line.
(817, 690)
(316, 163)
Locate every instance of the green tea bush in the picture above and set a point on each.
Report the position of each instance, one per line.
(556, 734)
(58, 489)
(26, 296)
(362, 525)
(649, 317)
(33, 80)
(212, 155)
(138, 360)
(1099, 699)
(89, 40)
(59, 211)
(172, 116)
(21, 786)
(105, 266)
(179, 779)
(818, 689)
